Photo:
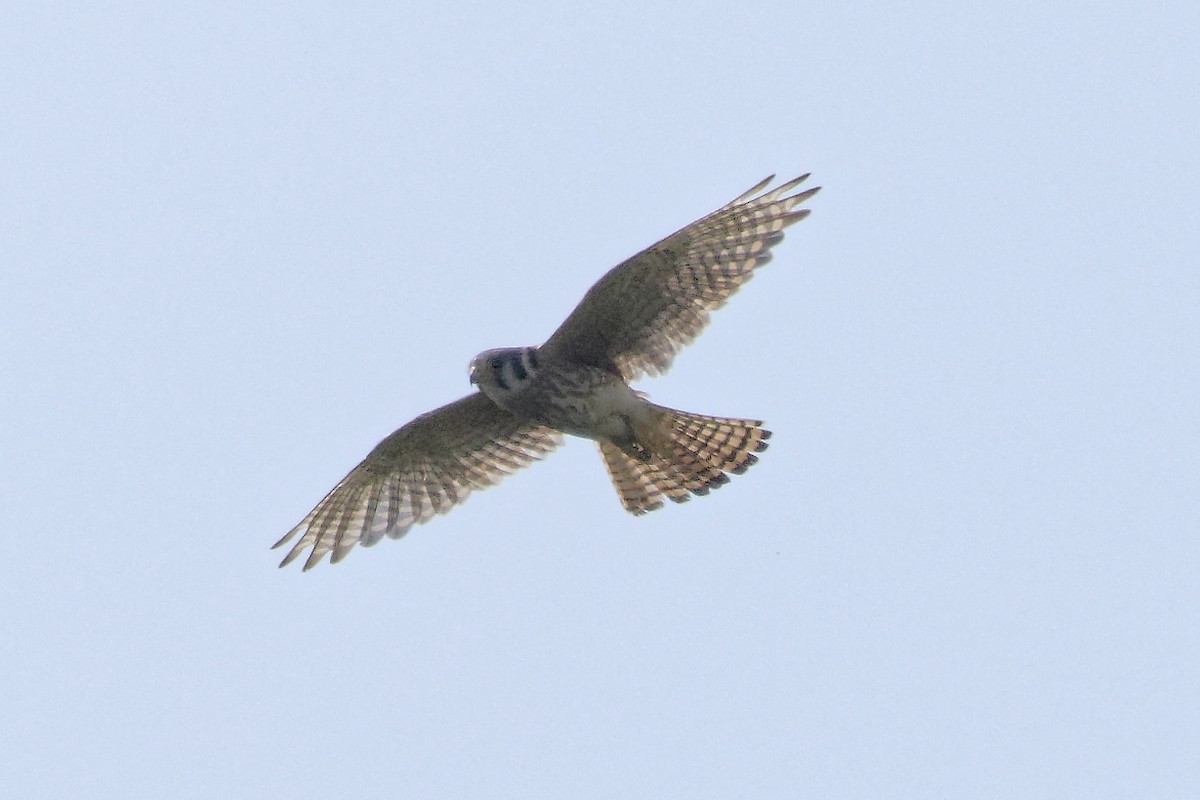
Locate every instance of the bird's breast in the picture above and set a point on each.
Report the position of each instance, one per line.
(580, 400)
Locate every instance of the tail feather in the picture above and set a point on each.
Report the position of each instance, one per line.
(641, 484)
(677, 454)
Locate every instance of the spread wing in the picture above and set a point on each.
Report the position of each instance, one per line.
(427, 467)
(639, 315)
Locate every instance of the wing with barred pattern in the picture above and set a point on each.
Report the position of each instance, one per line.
(426, 467)
(639, 315)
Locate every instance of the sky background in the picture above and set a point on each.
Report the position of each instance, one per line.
(240, 243)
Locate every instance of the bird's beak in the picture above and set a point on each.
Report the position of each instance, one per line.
(473, 376)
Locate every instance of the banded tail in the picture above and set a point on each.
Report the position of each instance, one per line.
(678, 454)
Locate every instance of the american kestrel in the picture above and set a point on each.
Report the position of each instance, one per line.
(631, 323)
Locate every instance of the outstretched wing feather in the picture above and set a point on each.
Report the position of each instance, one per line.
(424, 468)
(639, 315)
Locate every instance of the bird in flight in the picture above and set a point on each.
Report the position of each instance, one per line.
(629, 324)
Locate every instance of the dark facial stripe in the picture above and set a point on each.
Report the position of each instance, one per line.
(533, 358)
(499, 373)
(518, 368)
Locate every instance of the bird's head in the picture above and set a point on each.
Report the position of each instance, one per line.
(504, 371)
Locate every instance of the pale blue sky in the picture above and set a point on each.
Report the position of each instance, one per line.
(241, 243)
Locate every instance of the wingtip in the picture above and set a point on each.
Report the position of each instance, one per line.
(751, 192)
(757, 193)
(314, 558)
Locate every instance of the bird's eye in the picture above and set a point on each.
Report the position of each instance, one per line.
(494, 362)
